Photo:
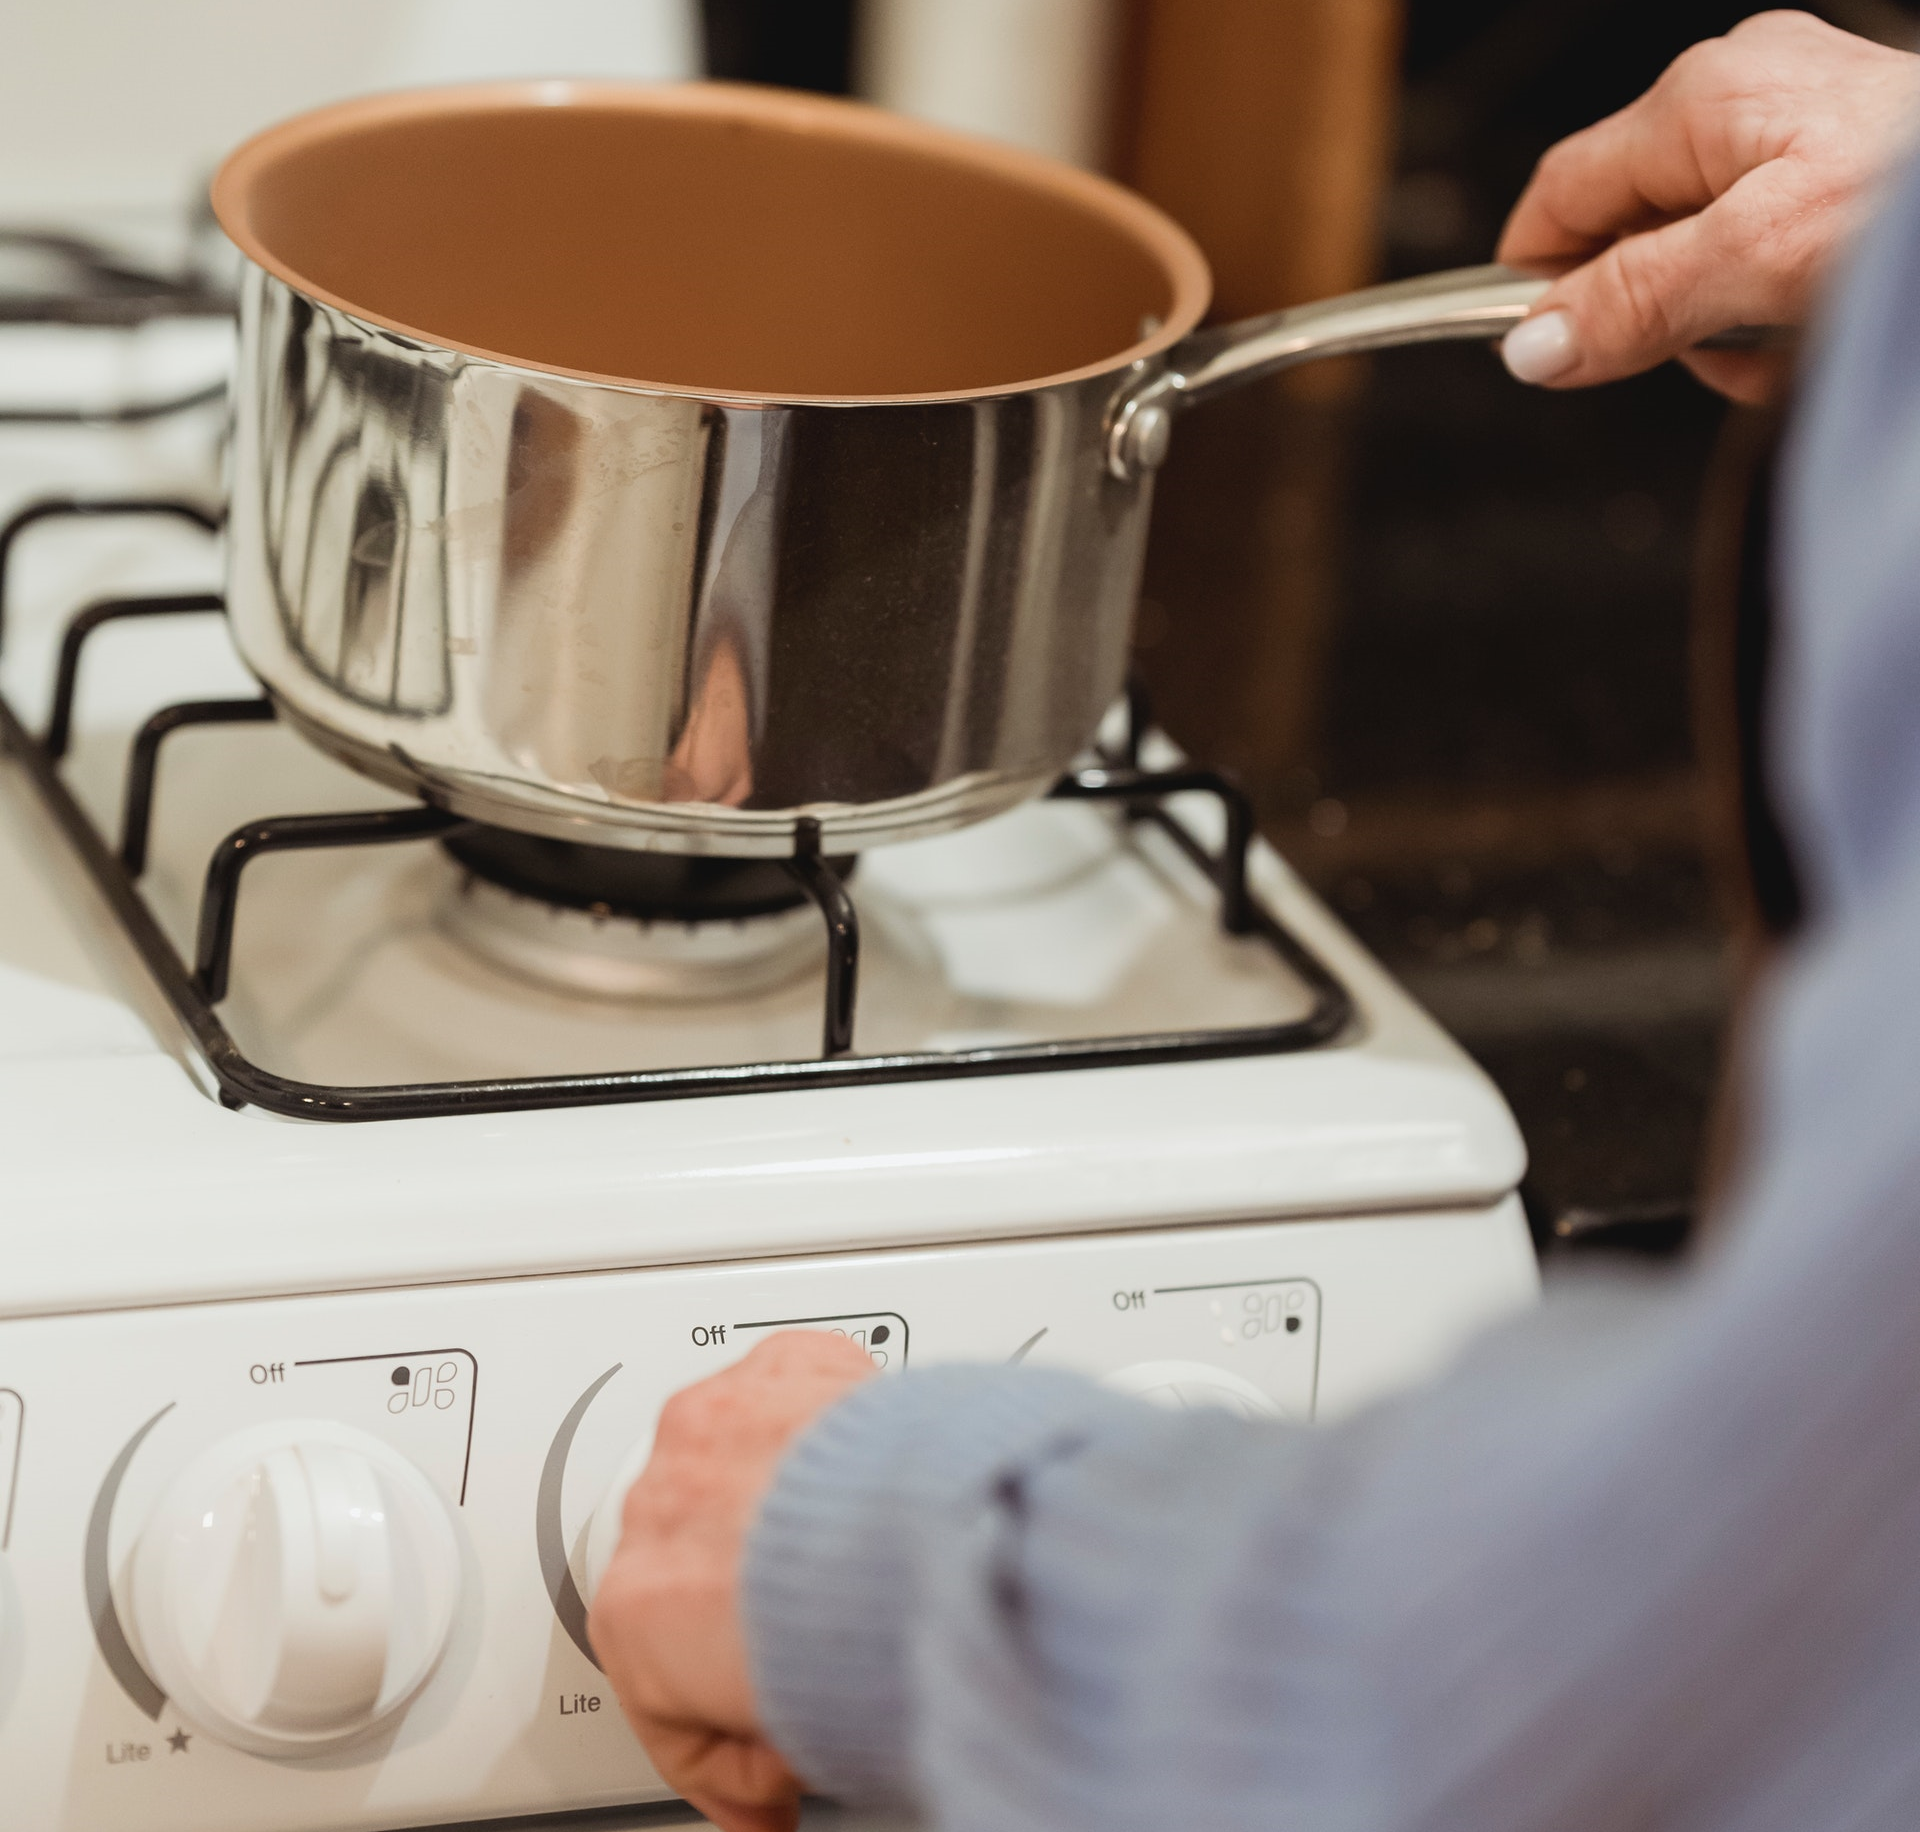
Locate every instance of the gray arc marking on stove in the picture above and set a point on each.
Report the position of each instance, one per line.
(11, 1477)
(115, 1649)
(568, 1604)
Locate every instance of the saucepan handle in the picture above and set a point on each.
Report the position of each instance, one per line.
(1463, 304)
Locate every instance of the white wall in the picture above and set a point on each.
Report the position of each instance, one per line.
(128, 104)
(1036, 72)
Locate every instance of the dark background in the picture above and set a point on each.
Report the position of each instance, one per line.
(1512, 642)
(1497, 785)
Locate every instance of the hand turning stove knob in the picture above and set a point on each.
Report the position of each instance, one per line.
(1181, 1385)
(295, 1587)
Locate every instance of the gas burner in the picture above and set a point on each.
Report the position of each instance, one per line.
(648, 887)
(605, 922)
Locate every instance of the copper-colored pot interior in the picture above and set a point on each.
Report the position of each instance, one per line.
(713, 249)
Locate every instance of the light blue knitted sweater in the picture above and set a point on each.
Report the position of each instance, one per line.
(1649, 1559)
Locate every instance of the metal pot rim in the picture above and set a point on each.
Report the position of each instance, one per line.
(235, 184)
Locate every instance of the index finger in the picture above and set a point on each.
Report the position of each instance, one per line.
(1633, 171)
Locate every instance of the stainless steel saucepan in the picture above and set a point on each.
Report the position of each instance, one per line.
(657, 466)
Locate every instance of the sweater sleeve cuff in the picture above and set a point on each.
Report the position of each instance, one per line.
(834, 1560)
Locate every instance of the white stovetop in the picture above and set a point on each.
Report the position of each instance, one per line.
(123, 1182)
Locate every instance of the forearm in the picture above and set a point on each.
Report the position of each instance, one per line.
(846, 1557)
(1010, 1600)
(1008, 1593)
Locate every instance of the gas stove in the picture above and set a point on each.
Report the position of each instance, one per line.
(352, 1149)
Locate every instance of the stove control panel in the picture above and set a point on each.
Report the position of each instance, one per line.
(321, 1564)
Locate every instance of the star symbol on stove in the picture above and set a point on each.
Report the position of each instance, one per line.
(178, 1742)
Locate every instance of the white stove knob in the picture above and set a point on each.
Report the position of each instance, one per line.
(1183, 1385)
(609, 1522)
(295, 1586)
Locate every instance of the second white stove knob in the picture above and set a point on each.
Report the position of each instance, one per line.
(1181, 1386)
(604, 1531)
(295, 1587)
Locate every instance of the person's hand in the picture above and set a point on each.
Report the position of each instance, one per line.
(1717, 199)
(666, 1620)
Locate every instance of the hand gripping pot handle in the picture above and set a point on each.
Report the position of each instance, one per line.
(1461, 305)
(1465, 304)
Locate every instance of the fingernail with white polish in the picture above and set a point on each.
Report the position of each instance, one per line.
(1538, 349)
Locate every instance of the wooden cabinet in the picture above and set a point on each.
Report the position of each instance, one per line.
(1265, 126)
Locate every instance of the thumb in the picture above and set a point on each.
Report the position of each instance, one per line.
(1646, 298)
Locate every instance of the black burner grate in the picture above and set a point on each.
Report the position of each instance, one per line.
(70, 280)
(196, 992)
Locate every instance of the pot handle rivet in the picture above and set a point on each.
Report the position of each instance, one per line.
(1142, 436)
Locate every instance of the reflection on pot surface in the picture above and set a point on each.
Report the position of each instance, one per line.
(658, 621)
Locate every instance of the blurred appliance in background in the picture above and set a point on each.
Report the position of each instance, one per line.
(113, 114)
(118, 108)
(794, 44)
(1039, 73)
